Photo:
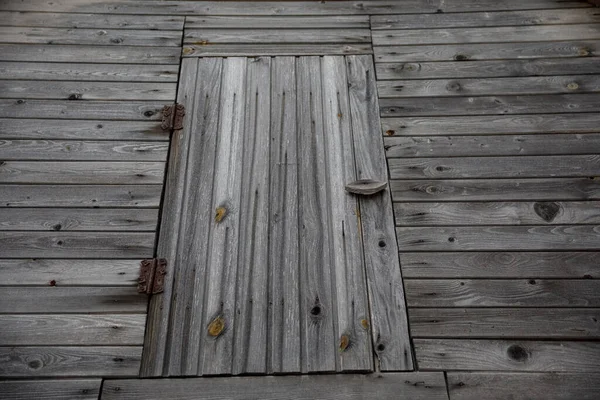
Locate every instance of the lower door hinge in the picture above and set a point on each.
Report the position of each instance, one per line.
(152, 275)
(172, 117)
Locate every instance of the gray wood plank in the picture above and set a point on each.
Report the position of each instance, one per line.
(48, 361)
(30, 272)
(224, 249)
(284, 353)
(252, 300)
(492, 124)
(266, 36)
(72, 329)
(557, 237)
(32, 89)
(64, 389)
(497, 213)
(487, 69)
(491, 86)
(531, 386)
(502, 293)
(90, 54)
(21, 300)
(155, 360)
(80, 195)
(495, 167)
(318, 345)
(386, 294)
(522, 323)
(79, 129)
(69, 109)
(446, 36)
(114, 37)
(274, 49)
(85, 172)
(72, 245)
(551, 189)
(481, 19)
(501, 265)
(89, 72)
(276, 22)
(505, 355)
(416, 386)
(348, 279)
(78, 219)
(497, 145)
(487, 51)
(448, 106)
(72, 150)
(99, 21)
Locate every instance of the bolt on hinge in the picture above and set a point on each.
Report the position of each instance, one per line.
(152, 275)
(172, 117)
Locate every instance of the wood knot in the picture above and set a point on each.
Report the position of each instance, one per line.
(148, 113)
(390, 132)
(453, 87)
(572, 86)
(547, 210)
(75, 96)
(216, 326)
(517, 353)
(344, 342)
(461, 57)
(35, 364)
(220, 214)
(364, 323)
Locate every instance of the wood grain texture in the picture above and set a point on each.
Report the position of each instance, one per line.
(531, 386)
(417, 386)
(69, 109)
(146, 196)
(339, 35)
(502, 293)
(506, 355)
(493, 145)
(551, 189)
(386, 294)
(30, 272)
(76, 245)
(49, 361)
(276, 22)
(78, 219)
(463, 238)
(274, 49)
(522, 323)
(64, 389)
(21, 300)
(504, 264)
(72, 329)
(82, 21)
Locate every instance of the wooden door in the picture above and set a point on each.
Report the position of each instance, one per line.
(273, 266)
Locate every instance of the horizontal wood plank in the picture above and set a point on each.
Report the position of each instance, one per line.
(487, 51)
(493, 145)
(209, 36)
(76, 150)
(523, 386)
(552, 189)
(103, 37)
(515, 323)
(82, 21)
(37, 271)
(506, 355)
(90, 54)
(71, 361)
(497, 213)
(277, 22)
(84, 172)
(76, 245)
(72, 329)
(502, 293)
(78, 219)
(32, 89)
(504, 264)
(22, 300)
(80, 196)
(414, 386)
(67, 389)
(291, 49)
(484, 238)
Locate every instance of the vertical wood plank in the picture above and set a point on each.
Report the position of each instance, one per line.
(318, 342)
(386, 294)
(348, 275)
(284, 314)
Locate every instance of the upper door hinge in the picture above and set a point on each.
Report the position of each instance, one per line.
(152, 275)
(172, 117)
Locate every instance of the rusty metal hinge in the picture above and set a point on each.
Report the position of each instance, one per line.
(172, 117)
(152, 275)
